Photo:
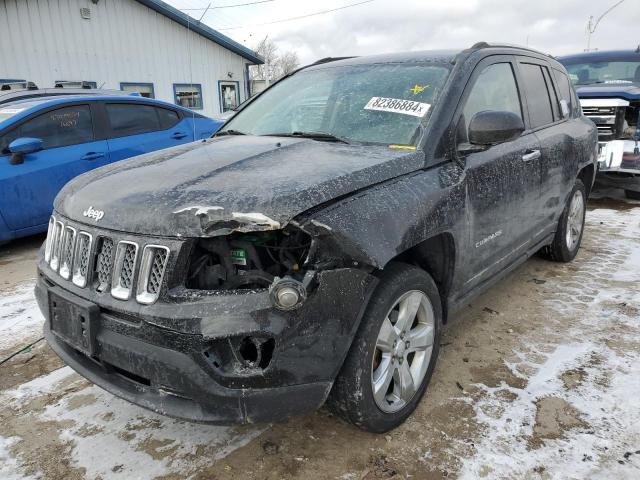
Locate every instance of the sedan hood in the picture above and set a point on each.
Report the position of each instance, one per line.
(235, 183)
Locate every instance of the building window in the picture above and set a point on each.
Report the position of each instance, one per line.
(229, 95)
(144, 89)
(188, 95)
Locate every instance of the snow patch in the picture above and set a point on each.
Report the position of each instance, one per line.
(199, 210)
(20, 317)
(256, 218)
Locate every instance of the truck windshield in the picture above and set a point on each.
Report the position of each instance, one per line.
(604, 72)
(380, 103)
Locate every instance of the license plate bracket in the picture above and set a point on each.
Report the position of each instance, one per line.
(74, 321)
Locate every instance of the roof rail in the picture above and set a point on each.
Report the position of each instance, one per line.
(330, 59)
(481, 45)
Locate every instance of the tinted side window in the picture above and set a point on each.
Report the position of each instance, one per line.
(564, 87)
(59, 128)
(168, 118)
(555, 101)
(129, 119)
(494, 89)
(540, 112)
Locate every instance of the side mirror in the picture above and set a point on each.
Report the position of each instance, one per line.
(23, 146)
(491, 127)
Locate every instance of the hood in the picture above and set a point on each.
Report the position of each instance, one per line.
(610, 90)
(235, 183)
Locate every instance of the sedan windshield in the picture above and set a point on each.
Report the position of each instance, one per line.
(381, 103)
(604, 72)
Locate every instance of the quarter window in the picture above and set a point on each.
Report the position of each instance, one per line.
(538, 100)
(57, 128)
(564, 87)
(495, 89)
(188, 95)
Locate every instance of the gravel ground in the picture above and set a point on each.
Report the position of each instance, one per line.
(539, 378)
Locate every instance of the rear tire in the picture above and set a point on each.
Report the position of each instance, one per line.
(568, 238)
(631, 195)
(393, 354)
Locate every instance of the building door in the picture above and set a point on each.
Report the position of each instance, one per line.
(229, 96)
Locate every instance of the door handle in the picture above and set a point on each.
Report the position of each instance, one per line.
(178, 135)
(92, 156)
(531, 155)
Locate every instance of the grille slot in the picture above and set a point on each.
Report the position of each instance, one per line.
(56, 244)
(104, 264)
(49, 242)
(66, 252)
(81, 259)
(124, 269)
(154, 264)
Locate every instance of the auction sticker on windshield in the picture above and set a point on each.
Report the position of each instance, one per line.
(398, 105)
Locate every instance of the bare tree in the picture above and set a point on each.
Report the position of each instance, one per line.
(275, 65)
(287, 63)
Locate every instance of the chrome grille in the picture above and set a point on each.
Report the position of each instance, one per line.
(104, 263)
(599, 110)
(66, 252)
(154, 264)
(111, 265)
(124, 269)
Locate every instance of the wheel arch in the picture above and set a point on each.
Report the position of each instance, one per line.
(587, 176)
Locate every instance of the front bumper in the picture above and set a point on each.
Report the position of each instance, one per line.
(172, 372)
(619, 164)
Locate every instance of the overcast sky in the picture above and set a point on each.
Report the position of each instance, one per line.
(554, 26)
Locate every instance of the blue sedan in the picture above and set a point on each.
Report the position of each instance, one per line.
(45, 142)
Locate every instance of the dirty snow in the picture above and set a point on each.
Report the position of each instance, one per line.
(256, 218)
(113, 438)
(598, 424)
(20, 317)
(199, 210)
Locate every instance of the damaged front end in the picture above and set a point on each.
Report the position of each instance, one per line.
(248, 323)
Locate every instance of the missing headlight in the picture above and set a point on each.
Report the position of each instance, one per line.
(247, 261)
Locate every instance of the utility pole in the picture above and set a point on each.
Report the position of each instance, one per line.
(591, 25)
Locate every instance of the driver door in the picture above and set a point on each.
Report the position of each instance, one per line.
(502, 181)
(69, 148)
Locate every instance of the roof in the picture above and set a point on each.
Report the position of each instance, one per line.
(611, 55)
(31, 105)
(202, 29)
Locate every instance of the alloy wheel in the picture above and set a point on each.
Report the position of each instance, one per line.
(403, 351)
(575, 220)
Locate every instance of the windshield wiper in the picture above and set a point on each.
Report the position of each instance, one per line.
(229, 132)
(328, 137)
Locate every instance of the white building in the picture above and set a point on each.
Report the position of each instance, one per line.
(137, 45)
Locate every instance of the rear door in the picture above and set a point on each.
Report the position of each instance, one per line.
(548, 120)
(502, 181)
(69, 148)
(137, 128)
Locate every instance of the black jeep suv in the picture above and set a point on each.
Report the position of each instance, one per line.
(312, 250)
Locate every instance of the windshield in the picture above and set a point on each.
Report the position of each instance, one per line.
(604, 72)
(382, 103)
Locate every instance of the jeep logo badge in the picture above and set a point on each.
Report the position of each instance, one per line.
(95, 214)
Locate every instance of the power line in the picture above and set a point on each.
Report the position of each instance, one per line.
(299, 17)
(228, 6)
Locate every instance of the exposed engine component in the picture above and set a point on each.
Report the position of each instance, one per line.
(247, 261)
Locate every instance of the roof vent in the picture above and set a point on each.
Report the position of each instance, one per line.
(85, 13)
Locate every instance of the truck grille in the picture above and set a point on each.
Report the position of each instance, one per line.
(111, 263)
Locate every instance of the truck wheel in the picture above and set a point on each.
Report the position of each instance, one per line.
(566, 242)
(631, 195)
(393, 354)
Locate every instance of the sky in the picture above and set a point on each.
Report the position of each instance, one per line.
(554, 26)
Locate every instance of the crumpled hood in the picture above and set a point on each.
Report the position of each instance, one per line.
(610, 90)
(235, 183)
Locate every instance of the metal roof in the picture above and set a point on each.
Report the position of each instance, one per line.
(202, 29)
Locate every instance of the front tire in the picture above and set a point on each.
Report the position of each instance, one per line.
(393, 354)
(568, 238)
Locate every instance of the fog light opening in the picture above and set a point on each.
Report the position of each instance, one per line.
(249, 351)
